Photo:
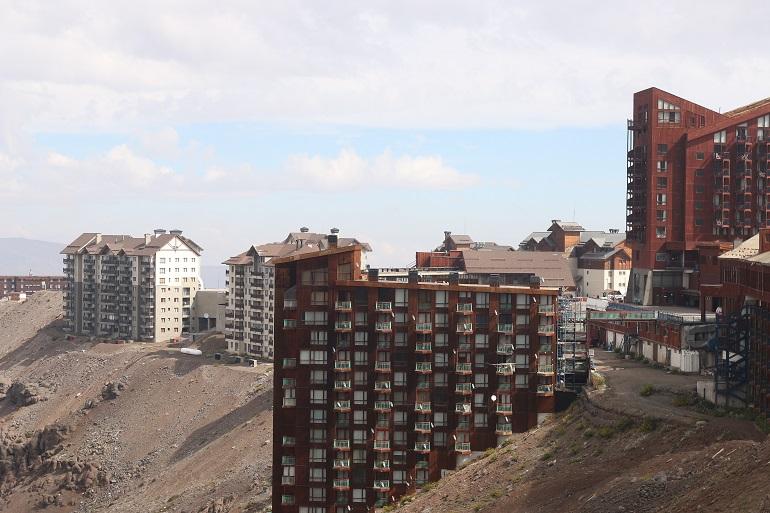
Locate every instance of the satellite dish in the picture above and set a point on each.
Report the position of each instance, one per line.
(494, 398)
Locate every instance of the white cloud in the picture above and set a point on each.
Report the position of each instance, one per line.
(163, 143)
(401, 64)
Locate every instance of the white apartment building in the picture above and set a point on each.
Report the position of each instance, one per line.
(251, 285)
(134, 288)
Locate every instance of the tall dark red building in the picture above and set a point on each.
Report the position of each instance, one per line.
(381, 385)
(696, 182)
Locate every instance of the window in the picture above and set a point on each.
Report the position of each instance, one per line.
(317, 456)
(480, 419)
(440, 339)
(317, 436)
(359, 455)
(522, 341)
(317, 474)
(361, 358)
(482, 299)
(480, 380)
(662, 166)
(362, 338)
(359, 397)
(361, 319)
(478, 399)
(402, 297)
(441, 360)
(313, 318)
(439, 419)
(699, 155)
(319, 298)
(442, 298)
(442, 319)
(312, 357)
(668, 113)
(660, 215)
(399, 379)
(317, 377)
(317, 396)
(318, 494)
(662, 182)
(319, 337)
(315, 277)
(359, 495)
(660, 198)
(359, 416)
(699, 189)
(359, 436)
(318, 416)
(660, 232)
(439, 439)
(720, 137)
(662, 149)
(522, 381)
(482, 341)
(700, 172)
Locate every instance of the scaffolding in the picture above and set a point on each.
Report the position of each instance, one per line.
(573, 364)
(731, 353)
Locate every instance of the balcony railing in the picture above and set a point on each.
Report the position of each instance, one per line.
(341, 484)
(289, 324)
(464, 447)
(465, 308)
(382, 367)
(381, 484)
(504, 408)
(422, 446)
(383, 327)
(383, 406)
(504, 429)
(382, 386)
(423, 327)
(381, 465)
(505, 369)
(341, 444)
(383, 306)
(545, 369)
(422, 407)
(463, 368)
(382, 445)
(342, 406)
(343, 306)
(342, 365)
(545, 309)
(423, 347)
(424, 367)
(343, 326)
(423, 427)
(506, 349)
(341, 464)
(289, 402)
(464, 327)
(463, 408)
(545, 389)
(505, 328)
(289, 304)
(545, 329)
(464, 388)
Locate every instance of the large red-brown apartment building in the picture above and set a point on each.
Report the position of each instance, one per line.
(696, 182)
(382, 384)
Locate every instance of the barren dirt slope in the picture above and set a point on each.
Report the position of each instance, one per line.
(179, 433)
(607, 454)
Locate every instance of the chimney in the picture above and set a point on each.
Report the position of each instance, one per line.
(147, 238)
(554, 221)
(414, 276)
(332, 240)
(373, 274)
(764, 240)
(98, 238)
(335, 231)
(454, 278)
(534, 281)
(447, 234)
(159, 231)
(175, 232)
(304, 229)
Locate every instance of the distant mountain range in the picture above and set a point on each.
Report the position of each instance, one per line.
(26, 256)
(20, 256)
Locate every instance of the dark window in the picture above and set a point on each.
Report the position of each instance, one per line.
(700, 155)
(662, 149)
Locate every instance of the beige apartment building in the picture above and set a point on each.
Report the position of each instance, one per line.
(133, 288)
(251, 290)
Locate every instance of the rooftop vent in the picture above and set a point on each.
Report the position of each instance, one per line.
(335, 231)
(175, 232)
(159, 231)
(304, 229)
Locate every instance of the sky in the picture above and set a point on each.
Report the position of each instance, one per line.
(240, 121)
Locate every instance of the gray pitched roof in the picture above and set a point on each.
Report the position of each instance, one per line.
(552, 267)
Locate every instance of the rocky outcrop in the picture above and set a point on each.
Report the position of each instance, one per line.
(23, 394)
(112, 390)
(219, 505)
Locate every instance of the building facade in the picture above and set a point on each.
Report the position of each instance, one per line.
(251, 290)
(29, 284)
(696, 178)
(382, 385)
(125, 287)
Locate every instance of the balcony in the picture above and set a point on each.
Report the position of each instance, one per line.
(381, 485)
(289, 402)
(341, 465)
(422, 447)
(343, 306)
(545, 329)
(505, 349)
(463, 447)
(463, 368)
(422, 407)
(423, 327)
(545, 348)
(423, 427)
(504, 409)
(383, 406)
(505, 369)
(382, 466)
(506, 329)
(504, 429)
(382, 445)
(423, 385)
(545, 390)
(342, 365)
(464, 388)
(383, 327)
(342, 386)
(382, 387)
(465, 328)
(342, 406)
(289, 304)
(342, 326)
(342, 484)
(463, 408)
(423, 348)
(341, 445)
(465, 308)
(545, 309)
(421, 464)
(383, 306)
(545, 369)
(423, 367)
(289, 324)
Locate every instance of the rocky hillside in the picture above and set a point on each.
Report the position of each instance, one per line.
(617, 451)
(87, 426)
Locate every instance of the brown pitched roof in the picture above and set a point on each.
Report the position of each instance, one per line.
(552, 267)
(125, 244)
